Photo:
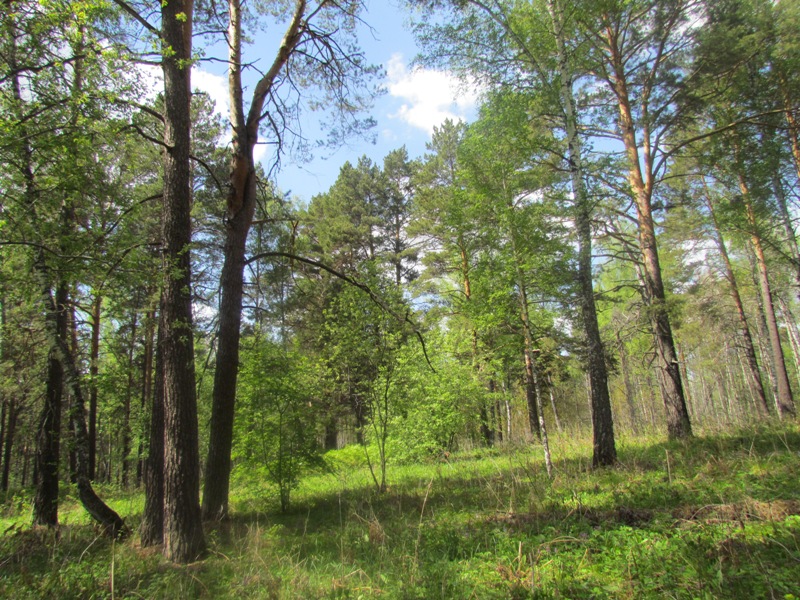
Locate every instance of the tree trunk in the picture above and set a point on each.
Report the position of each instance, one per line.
(678, 423)
(147, 391)
(8, 443)
(553, 403)
(491, 417)
(183, 529)
(241, 204)
(791, 330)
(784, 400)
(48, 435)
(530, 388)
(786, 221)
(604, 446)
(626, 379)
(126, 407)
(793, 129)
(220, 443)
(97, 509)
(4, 408)
(537, 409)
(48, 430)
(94, 365)
(548, 460)
(483, 415)
(151, 530)
(5, 403)
(486, 431)
(761, 338)
(756, 384)
(331, 435)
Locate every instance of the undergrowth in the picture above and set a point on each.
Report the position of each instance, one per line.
(713, 517)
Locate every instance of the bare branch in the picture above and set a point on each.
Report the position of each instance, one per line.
(137, 17)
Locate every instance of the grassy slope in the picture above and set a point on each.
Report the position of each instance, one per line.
(716, 517)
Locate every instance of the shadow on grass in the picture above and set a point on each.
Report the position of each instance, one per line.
(702, 518)
(660, 487)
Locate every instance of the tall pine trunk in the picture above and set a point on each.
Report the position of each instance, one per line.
(678, 422)
(183, 529)
(754, 374)
(48, 433)
(94, 363)
(784, 398)
(151, 530)
(241, 204)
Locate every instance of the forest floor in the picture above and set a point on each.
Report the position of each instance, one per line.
(715, 517)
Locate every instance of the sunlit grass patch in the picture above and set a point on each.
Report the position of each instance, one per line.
(713, 517)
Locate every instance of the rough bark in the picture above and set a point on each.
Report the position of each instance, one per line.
(48, 433)
(151, 530)
(241, 204)
(183, 530)
(94, 362)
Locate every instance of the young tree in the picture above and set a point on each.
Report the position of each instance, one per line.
(278, 414)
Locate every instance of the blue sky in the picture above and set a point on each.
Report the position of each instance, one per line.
(415, 100)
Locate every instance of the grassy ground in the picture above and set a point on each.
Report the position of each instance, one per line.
(716, 517)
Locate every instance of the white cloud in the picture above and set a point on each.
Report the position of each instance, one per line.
(259, 152)
(216, 86)
(429, 97)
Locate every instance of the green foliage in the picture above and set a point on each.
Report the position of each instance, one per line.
(276, 429)
(437, 406)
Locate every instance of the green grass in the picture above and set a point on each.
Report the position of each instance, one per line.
(715, 517)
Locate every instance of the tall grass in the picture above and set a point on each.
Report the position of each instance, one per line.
(714, 517)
